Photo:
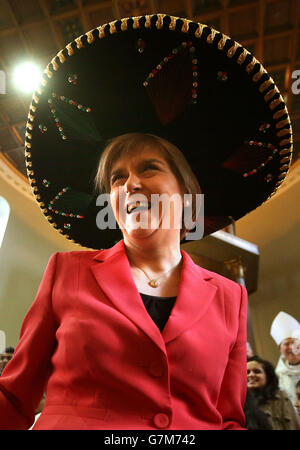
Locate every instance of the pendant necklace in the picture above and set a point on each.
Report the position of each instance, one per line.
(154, 282)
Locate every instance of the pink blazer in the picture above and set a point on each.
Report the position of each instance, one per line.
(90, 343)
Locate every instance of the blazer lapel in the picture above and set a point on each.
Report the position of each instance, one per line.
(113, 274)
(114, 277)
(194, 297)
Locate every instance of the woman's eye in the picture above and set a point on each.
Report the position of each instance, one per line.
(150, 167)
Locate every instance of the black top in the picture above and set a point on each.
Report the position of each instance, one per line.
(159, 308)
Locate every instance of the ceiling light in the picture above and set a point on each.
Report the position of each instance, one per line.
(26, 77)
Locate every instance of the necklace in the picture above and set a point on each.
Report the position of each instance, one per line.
(154, 282)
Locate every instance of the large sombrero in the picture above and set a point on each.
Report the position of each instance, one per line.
(162, 75)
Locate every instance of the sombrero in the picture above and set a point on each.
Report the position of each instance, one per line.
(166, 76)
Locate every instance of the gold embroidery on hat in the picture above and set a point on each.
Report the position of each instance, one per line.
(279, 113)
(27, 144)
(30, 117)
(90, 37)
(222, 42)
(148, 21)
(54, 63)
(285, 151)
(286, 159)
(242, 57)
(112, 27)
(27, 154)
(256, 77)
(61, 56)
(79, 44)
(251, 65)
(48, 72)
(70, 49)
(276, 102)
(210, 38)
(33, 108)
(136, 22)
(101, 31)
(270, 94)
(288, 140)
(43, 81)
(233, 49)
(198, 32)
(185, 26)
(29, 126)
(28, 163)
(28, 135)
(172, 25)
(160, 21)
(284, 167)
(265, 85)
(124, 24)
(282, 175)
(282, 123)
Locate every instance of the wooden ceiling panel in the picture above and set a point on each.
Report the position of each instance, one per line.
(7, 140)
(6, 20)
(17, 158)
(101, 16)
(25, 11)
(13, 108)
(276, 50)
(40, 40)
(278, 16)
(134, 8)
(173, 7)
(60, 6)
(200, 7)
(243, 23)
(70, 28)
(12, 50)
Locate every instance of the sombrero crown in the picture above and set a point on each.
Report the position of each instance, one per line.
(167, 76)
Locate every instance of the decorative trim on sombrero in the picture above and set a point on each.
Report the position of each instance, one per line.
(253, 67)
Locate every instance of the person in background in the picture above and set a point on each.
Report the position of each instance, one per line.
(5, 358)
(297, 402)
(285, 331)
(275, 403)
(256, 419)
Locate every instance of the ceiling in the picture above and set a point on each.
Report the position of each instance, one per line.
(36, 30)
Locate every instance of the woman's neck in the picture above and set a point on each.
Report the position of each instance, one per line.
(156, 258)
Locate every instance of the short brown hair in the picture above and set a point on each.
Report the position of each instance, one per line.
(176, 160)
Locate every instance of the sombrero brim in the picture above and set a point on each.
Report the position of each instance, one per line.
(167, 76)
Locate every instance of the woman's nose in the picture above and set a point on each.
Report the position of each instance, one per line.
(132, 184)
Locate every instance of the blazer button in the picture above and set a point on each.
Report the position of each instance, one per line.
(156, 369)
(161, 420)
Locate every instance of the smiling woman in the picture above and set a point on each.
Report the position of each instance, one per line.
(154, 157)
(161, 341)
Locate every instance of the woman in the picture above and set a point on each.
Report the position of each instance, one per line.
(134, 334)
(263, 383)
(131, 375)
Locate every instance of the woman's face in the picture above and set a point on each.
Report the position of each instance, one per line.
(135, 179)
(256, 375)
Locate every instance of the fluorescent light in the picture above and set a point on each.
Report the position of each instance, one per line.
(27, 76)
